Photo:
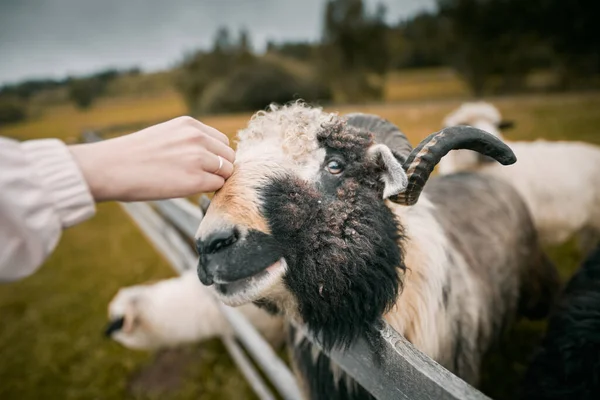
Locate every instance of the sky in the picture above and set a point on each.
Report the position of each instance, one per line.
(56, 38)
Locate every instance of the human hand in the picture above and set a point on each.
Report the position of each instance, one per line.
(177, 158)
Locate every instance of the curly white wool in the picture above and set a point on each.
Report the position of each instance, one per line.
(292, 127)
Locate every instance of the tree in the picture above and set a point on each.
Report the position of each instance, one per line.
(571, 28)
(244, 48)
(255, 86)
(12, 110)
(303, 51)
(418, 42)
(488, 40)
(355, 49)
(222, 42)
(83, 91)
(244, 42)
(201, 69)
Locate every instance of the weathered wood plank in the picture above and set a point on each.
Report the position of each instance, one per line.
(158, 233)
(181, 213)
(405, 372)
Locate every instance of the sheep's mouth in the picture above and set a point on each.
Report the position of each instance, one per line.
(249, 289)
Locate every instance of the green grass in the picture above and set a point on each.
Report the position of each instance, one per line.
(51, 323)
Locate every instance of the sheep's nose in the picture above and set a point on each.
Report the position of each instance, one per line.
(214, 243)
(114, 326)
(220, 240)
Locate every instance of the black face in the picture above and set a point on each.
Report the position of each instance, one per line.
(340, 241)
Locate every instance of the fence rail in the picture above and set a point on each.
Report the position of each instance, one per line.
(405, 372)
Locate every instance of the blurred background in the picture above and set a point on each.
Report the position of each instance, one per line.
(67, 66)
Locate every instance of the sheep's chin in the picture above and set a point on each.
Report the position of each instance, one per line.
(252, 288)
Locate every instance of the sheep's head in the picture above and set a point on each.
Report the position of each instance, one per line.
(303, 225)
(125, 325)
(481, 115)
(166, 313)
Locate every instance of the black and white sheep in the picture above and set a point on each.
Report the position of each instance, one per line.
(325, 224)
(558, 180)
(175, 312)
(567, 366)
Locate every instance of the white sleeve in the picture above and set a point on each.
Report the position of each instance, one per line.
(42, 192)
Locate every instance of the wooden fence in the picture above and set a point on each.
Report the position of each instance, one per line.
(405, 373)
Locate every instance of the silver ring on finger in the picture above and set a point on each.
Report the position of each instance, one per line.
(220, 165)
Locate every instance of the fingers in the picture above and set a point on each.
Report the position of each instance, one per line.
(214, 166)
(213, 141)
(218, 148)
(215, 133)
(209, 130)
(209, 183)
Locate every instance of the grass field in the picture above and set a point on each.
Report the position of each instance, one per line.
(51, 323)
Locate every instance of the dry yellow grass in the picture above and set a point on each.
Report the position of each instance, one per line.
(66, 122)
(434, 83)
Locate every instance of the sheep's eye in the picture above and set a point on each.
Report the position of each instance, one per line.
(334, 167)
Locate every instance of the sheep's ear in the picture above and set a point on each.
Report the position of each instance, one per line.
(392, 175)
(506, 124)
(130, 317)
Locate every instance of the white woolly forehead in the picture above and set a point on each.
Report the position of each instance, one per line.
(473, 113)
(283, 133)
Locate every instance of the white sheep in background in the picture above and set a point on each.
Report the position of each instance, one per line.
(176, 312)
(559, 180)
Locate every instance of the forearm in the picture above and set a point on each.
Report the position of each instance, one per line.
(46, 186)
(42, 192)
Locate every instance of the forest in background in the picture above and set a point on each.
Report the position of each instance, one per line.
(495, 46)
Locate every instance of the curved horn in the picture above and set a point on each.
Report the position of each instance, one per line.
(384, 132)
(423, 159)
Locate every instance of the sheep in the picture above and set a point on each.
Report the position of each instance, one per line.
(175, 312)
(324, 224)
(559, 181)
(567, 366)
